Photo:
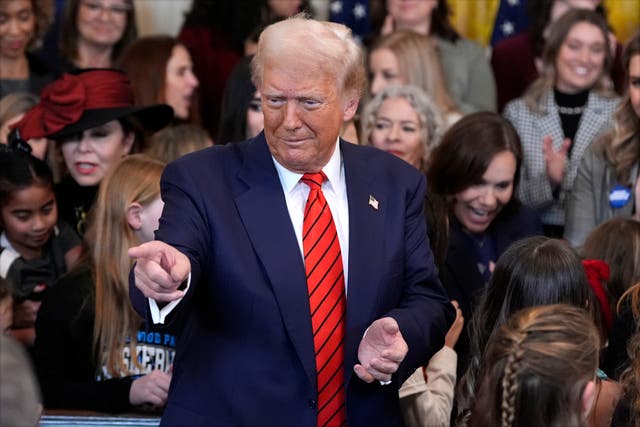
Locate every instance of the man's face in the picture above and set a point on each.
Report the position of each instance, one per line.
(303, 114)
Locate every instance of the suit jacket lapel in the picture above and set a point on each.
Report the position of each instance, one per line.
(262, 207)
(366, 231)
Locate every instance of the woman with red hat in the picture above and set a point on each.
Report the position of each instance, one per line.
(93, 119)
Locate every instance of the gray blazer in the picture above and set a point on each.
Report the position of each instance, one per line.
(468, 75)
(534, 188)
(588, 202)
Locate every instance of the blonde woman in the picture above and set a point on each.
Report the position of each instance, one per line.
(406, 57)
(606, 184)
(92, 351)
(564, 111)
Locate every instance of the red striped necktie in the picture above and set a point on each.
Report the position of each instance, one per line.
(325, 282)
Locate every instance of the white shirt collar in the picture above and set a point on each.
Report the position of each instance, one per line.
(332, 170)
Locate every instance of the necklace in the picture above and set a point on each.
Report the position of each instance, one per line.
(571, 111)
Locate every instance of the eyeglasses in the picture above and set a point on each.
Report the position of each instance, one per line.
(96, 8)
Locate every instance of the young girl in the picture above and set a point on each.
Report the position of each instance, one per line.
(35, 248)
(91, 350)
(532, 272)
(539, 369)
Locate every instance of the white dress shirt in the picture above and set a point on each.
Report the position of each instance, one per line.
(296, 194)
(335, 191)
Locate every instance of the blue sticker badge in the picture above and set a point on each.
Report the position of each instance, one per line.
(619, 196)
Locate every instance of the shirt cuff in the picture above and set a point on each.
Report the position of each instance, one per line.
(158, 315)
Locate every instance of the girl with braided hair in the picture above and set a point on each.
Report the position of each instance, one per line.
(539, 369)
(534, 271)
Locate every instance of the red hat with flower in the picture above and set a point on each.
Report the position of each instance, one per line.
(77, 102)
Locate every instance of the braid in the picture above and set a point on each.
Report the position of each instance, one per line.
(510, 386)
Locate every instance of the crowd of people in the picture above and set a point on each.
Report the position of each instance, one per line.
(264, 221)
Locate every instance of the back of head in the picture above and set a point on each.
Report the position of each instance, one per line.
(533, 271)
(466, 150)
(173, 142)
(617, 242)
(19, 391)
(536, 369)
(317, 47)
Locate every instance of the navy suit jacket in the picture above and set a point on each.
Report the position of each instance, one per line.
(245, 352)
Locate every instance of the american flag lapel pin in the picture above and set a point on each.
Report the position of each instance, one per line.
(373, 202)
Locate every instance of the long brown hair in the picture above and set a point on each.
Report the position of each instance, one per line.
(466, 150)
(617, 242)
(145, 63)
(621, 146)
(630, 378)
(135, 179)
(536, 369)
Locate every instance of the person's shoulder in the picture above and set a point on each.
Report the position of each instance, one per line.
(515, 108)
(214, 157)
(595, 154)
(461, 46)
(609, 103)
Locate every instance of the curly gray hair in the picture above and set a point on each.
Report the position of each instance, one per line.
(431, 119)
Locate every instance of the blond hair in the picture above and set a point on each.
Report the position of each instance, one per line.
(173, 142)
(135, 179)
(419, 65)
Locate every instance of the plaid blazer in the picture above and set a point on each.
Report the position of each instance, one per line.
(534, 188)
(588, 202)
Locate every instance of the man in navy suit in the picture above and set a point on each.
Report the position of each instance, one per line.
(229, 263)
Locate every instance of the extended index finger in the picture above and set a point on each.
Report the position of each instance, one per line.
(146, 250)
